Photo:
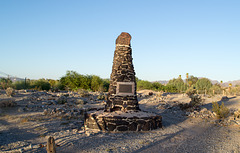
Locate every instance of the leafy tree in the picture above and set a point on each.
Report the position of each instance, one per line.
(86, 82)
(217, 88)
(22, 85)
(52, 82)
(73, 80)
(58, 86)
(192, 80)
(96, 82)
(105, 84)
(157, 86)
(178, 83)
(142, 84)
(41, 84)
(203, 84)
(171, 88)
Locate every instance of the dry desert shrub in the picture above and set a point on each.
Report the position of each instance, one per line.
(62, 100)
(7, 103)
(196, 99)
(24, 120)
(101, 96)
(10, 92)
(237, 114)
(221, 110)
(83, 93)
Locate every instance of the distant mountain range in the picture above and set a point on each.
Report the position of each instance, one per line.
(164, 82)
(234, 83)
(14, 79)
(224, 84)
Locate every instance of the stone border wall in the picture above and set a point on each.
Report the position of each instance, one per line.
(120, 123)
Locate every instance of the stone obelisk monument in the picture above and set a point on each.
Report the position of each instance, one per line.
(122, 111)
(122, 90)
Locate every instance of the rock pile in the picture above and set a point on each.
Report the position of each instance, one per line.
(203, 113)
(7, 102)
(232, 119)
(73, 113)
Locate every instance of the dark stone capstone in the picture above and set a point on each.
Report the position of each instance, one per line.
(124, 39)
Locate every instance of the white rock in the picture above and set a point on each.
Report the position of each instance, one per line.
(20, 109)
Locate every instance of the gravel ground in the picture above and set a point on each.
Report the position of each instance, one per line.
(26, 129)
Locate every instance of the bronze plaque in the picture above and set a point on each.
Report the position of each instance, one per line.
(125, 88)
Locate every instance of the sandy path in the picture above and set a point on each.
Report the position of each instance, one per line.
(204, 138)
(200, 136)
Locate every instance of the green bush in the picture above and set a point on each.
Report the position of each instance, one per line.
(192, 80)
(5, 83)
(96, 82)
(72, 81)
(221, 111)
(158, 86)
(105, 85)
(142, 84)
(41, 84)
(179, 84)
(58, 86)
(22, 85)
(203, 84)
(170, 88)
(217, 89)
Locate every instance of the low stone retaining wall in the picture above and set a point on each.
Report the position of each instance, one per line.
(123, 121)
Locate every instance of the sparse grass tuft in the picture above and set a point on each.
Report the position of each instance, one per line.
(237, 114)
(101, 96)
(10, 92)
(221, 111)
(38, 129)
(24, 120)
(42, 135)
(83, 93)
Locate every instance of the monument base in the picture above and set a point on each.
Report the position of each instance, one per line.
(122, 121)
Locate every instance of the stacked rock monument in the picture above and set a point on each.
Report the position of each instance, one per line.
(122, 111)
(122, 90)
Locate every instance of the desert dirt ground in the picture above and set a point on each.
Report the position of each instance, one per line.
(38, 115)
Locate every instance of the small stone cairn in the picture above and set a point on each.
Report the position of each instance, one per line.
(122, 112)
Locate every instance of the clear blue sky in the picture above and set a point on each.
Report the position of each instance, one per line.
(45, 38)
